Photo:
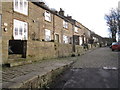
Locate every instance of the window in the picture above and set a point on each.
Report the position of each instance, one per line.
(47, 35)
(95, 39)
(56, 37)
(47, 16)
(76, 29)
(21, 6)
(20, 30)
(65, 39)
(65, 24)
(81, 41)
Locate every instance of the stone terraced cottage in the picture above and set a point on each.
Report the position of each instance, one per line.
(32, 31)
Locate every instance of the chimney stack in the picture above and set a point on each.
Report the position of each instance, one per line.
(61, 12)
(69, 17)
(41, 3)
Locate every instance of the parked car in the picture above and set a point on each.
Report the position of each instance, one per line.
(115, 46)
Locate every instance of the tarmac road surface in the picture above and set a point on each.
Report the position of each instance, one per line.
(95, 69)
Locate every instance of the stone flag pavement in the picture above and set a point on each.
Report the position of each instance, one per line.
(35, 75)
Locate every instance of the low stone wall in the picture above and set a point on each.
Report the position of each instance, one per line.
(37, 50)
(79, 49)
(63, 50)
(40, 50)
(89, 46)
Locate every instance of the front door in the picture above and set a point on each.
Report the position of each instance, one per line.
(57, 38)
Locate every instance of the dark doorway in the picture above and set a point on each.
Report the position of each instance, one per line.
(76, 39)
(75, 42)
(17, 47)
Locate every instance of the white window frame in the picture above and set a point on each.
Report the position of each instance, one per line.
(47, 35)
(65, 24)
(47, 16)
(56, 34)
(80, 41)
(65, 39)
(95, 39)
(22, 30)
(76, 29)
(21, 6)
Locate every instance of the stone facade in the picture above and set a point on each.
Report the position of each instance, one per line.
(36, 46)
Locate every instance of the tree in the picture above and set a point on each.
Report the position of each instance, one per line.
(112, 20)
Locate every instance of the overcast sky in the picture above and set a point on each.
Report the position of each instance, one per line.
(88, 12)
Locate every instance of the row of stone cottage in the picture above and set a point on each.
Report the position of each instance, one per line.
(32, 30)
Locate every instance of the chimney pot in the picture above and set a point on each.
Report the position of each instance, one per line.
(61, 12)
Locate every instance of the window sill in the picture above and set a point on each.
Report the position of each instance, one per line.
(20, 13)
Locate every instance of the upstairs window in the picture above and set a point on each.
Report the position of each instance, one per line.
(20, 30)
(76, 29)
(21, 6)
(65, 24)
(47, 16)
(47, 35)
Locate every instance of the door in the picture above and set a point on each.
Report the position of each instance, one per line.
(76, 39)
(57, 38)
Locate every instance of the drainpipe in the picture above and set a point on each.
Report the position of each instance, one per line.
(73, 42)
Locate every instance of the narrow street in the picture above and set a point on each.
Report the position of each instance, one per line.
(95, 69)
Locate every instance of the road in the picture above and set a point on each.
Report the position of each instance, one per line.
(95, 69)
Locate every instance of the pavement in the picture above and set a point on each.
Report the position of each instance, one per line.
(96, 69)
(14, 77)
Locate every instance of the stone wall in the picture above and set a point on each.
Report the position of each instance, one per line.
(63, 50)
(58, 27)
(6, 35)
(79, 50)
(0, 32)
(0, 7)
(40, 50)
